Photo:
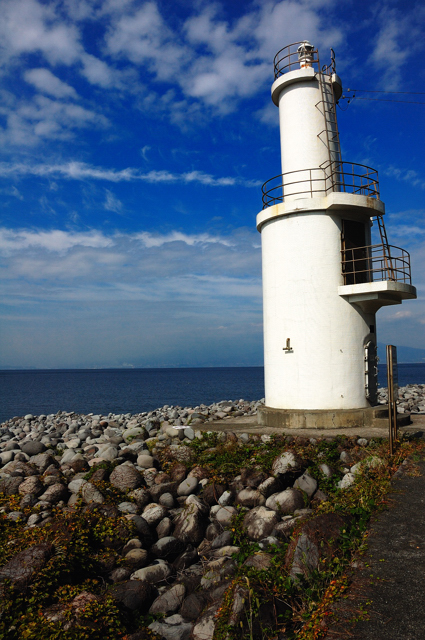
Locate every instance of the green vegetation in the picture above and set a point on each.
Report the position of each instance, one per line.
(86, 543)
(303, 609)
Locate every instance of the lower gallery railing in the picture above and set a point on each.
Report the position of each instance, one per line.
(375, 263)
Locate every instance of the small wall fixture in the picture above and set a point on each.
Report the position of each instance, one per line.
(288, 345)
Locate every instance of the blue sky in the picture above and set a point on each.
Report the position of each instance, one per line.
(135, 137)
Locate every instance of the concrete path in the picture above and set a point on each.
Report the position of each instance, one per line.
(248, 424)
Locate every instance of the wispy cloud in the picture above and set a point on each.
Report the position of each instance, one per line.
(12, 241)
(46, 82)
(157, 240)
(112, 203)
(398, 39)
(406, 175)
(83, 171)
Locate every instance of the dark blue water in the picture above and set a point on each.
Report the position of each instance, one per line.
(106, 391)
(132, 391)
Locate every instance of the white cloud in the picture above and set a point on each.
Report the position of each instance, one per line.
(83, 171)
(187, 254)
(213, 60)
(29, 26)
(143, 37)
(45, 119)
(112, 203)
(157, 240)
(46, 82)
(97, 72)
(56, 241)
(12, 191)
(406, 175)
(399, 315)
(407, 231)
(398, 38)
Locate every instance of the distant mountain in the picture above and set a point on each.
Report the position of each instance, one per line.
(404, 354)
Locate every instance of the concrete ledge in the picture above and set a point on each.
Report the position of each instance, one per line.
(353, 205)
(376, 417)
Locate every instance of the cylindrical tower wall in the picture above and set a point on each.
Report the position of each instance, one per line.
(301, 122)
(305, 156)
(325, 367)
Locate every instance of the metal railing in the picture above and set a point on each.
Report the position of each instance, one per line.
(375, 263)
(287, 59)
(341, 177)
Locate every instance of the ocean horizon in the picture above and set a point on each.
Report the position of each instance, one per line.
(134, 390)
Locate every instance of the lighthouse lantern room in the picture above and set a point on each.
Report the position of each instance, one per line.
(323, 280)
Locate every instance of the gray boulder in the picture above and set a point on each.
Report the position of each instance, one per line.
(170, 601)
(167, 548)
(153, 574)
(191, 523)
(286, 462)
(225, 515)
(22, 567)
(172, 628)
(286, 502)
(136, 559)
(126, 477)
(90, 493)
(306, 483)
(205, 626)
(133, 594)
(317, 539)
(260, 522)
(250, 498)
(187, 487)
(31, 485)
(55, 493)
(10, 486)
(153, 514)
(33, 448)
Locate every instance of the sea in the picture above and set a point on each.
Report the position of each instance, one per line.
(103, 391)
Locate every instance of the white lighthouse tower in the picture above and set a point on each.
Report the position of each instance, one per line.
(323, 280)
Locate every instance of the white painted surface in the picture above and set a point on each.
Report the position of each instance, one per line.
(347, 205)
(301, 275)
(302, 132)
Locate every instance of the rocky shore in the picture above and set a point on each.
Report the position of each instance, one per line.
(411, 398)
(155, 521)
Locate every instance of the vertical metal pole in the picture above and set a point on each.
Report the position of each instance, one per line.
(392, 379)
(390, 403)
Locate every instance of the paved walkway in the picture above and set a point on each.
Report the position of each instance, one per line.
(390, 586)
(248, 424)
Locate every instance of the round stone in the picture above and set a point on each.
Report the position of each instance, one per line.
(224, 515)
(153, 514)
(145, 461)
(126, 477)
(187, 487)
(166, 500)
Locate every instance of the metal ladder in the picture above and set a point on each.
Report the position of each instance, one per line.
(389, 267)
(327, 106)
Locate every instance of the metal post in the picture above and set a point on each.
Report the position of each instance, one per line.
(392, 378)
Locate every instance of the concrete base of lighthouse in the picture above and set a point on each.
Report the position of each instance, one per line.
(324, 419)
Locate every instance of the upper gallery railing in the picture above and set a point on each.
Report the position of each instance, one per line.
(341, 177)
